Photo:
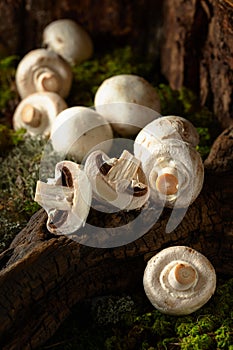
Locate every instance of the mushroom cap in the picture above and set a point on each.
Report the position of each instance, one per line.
(164, 128)
(195, 280)
(176, 158)
(47, 104)
(128, 102)
(43, 70)
(78, 130)
(69, 40)
(119, 182)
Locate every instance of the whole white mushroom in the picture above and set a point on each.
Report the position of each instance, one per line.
(43, 70)
(78, 130)
(170, 161)
(128, 102)
(69, 40)
(37, 112)
(179, 280)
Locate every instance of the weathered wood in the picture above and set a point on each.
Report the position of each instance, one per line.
(197, 51)
(42, 275)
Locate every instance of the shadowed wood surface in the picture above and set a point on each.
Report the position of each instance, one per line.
(42, 275)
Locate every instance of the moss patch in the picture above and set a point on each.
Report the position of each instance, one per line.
(144, 328)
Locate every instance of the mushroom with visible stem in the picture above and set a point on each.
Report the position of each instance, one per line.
(119, 182)
(77, 130)
(66, 198)
(174, 168)
(69, 40)
(43, 70)
(37, 112)
(179, 280)
(128, 102)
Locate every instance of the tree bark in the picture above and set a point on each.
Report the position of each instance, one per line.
(197, 51)
(42, 275)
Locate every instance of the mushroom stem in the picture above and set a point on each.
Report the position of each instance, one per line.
(182, 276)
(47, 80)
(165, 180)
(123, 171)
(51, 196)
(31, 116)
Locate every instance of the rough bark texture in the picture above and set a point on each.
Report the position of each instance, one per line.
(42, 275)
(197, 51)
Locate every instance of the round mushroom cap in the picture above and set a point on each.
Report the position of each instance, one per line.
(78, 130)
(69, 40)
(43, 70)
(128, 102)
(168, 127)
(37, 112)
(179, 280)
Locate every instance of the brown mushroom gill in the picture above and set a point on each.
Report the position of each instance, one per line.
(58, 217)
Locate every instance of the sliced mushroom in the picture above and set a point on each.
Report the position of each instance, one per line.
(37, 112)
(128, 102)
(179, 280)
(66, 198)
(77, 130)
(120, 182)
(43, 70)
(69, 40)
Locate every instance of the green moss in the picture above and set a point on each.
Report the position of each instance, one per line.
(19, 173)
(184, 103)
(150, 330)
(7, 76)
(89, 75)
(9, 138)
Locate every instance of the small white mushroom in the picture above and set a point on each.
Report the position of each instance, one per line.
(43, 70)
(37, 112)
(77, 130)
(69, 40)
(119, 182)
(128, 102)
(179, 280)
(174, 168)
(66, 198)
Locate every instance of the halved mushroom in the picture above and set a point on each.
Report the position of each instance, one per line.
(69, 40)
(119, 182)
(128, 102)
(179, 280)
(37, 112)
(66, 198)
(43, 70)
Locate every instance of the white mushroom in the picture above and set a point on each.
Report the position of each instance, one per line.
(37, 112)
(128, 102)
(66, 198)
(179, 280)
(164, 128)
(119, 182)
(69, 40)
(77, 130)
(174, 168)
(43, 70)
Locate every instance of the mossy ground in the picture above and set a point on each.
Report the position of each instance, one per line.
(20, 156)
(128, 323)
